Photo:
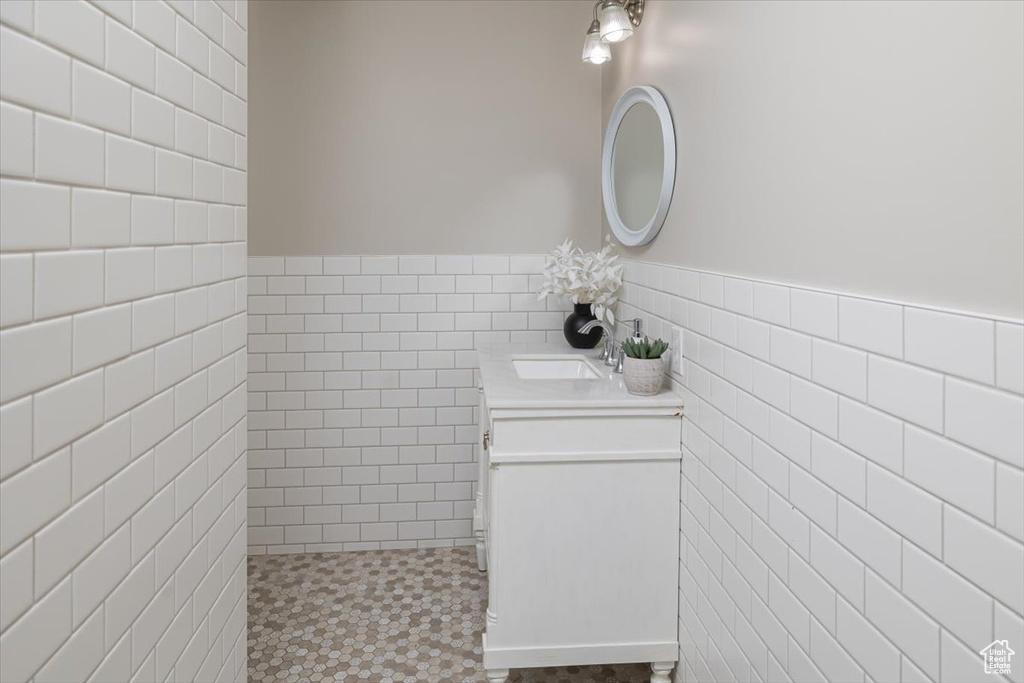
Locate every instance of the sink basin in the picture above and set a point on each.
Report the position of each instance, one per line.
(553, 367)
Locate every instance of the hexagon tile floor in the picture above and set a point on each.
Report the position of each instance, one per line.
(381, 616)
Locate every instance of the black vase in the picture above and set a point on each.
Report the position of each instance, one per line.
(580, 316)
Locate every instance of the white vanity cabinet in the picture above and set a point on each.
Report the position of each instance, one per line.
(577, 520)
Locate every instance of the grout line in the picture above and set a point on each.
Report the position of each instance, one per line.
(813, 289)
(864, 565)
(929, 369)
(989, 457)
(232, 356)
(128, 411)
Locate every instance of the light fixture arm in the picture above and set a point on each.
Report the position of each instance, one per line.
(635, 10)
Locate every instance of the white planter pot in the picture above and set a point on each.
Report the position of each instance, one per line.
(643, 376)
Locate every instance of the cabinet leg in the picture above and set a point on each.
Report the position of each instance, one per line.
(660, 672)
(497, 675)
(481, 555)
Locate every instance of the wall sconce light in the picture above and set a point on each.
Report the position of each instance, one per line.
(613, 23)
(595, 50)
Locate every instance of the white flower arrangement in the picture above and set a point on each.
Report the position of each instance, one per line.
(585, 277)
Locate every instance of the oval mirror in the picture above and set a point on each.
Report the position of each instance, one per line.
(638, 165)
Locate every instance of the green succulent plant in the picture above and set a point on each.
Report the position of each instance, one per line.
(644, 348)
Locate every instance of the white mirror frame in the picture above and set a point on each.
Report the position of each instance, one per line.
(650, 96)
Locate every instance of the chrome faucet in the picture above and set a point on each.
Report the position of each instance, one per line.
(610, 355)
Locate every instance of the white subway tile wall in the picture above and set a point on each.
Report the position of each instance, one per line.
(852, 494)
(362, 395)
(122, 341)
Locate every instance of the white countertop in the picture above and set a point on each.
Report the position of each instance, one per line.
(504, 389)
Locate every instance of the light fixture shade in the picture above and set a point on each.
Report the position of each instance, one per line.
(615, 23)
(595, 50)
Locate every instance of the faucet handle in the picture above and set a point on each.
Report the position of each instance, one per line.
(612, 351)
